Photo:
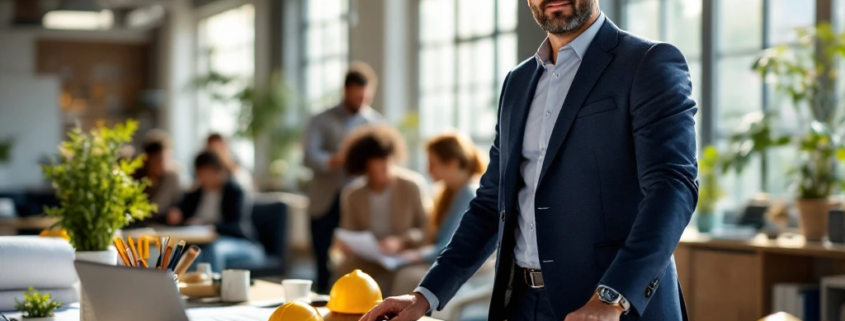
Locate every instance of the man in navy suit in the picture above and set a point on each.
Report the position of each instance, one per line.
(590, 185)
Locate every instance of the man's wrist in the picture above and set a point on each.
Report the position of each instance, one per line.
(609, 296)
(430, 298)
(421, 298)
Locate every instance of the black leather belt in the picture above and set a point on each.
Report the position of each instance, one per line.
(533, 278)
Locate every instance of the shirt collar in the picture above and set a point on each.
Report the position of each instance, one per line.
(365, 112)
(580, 44)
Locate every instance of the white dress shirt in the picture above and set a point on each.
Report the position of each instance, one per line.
(549, 96)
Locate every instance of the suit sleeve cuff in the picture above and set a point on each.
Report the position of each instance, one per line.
(433, 302)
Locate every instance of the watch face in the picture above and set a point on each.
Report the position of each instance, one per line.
(608, 296)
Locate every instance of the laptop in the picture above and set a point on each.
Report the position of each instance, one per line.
(130, 294)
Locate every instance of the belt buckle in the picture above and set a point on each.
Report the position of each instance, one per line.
(530, 279)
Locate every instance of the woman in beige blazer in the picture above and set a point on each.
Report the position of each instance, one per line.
(387, 200)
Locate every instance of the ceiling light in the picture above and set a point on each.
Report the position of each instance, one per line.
(78, 15)
(79, 20)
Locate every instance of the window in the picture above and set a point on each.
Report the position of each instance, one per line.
(466, 49)
(741, 29)
(784, 17)
(326, 30)
(226, 45)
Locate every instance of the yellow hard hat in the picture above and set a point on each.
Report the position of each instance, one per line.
(354, 293)
(57, 232)
(296, 311)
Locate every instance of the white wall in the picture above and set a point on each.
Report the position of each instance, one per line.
(29, 113)
(29, 102)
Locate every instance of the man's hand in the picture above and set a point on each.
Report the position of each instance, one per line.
(595, 310)
(409, 307)
(344, 249)
(390, 245)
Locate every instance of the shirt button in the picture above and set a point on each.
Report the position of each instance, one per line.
(557, 75)
(548, 113)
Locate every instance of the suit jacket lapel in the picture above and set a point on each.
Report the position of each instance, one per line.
(520, 113)
(517, 118)
(595, 60)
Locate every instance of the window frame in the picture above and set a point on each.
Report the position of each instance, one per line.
(305, 60)
(456, 42)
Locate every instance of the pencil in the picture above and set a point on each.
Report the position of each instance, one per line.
(187, 259)
(177, 254)
(131, 258)
(144, 247)
(126, 251)
(120, 251)
(134, 249)
(166, 257)
(161, 247)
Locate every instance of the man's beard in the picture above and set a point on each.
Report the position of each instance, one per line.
(557, 23)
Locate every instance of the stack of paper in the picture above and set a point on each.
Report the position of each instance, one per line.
(365, 245)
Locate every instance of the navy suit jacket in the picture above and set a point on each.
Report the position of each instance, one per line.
(616, 190)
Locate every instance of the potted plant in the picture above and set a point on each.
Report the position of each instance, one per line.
(37, 306)
(709, 191)
(97, 193)
(806, 75)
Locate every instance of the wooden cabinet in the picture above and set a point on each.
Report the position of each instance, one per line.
(732, 280)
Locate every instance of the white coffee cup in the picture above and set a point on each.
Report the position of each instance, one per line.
(297, 290)
(235, 286)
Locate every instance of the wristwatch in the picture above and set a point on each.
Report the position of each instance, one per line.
(609, 296)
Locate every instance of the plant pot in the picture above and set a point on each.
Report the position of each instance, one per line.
(812, 218)
(705, 222)
(109, 257)
(39, 319)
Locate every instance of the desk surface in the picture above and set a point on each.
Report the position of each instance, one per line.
(793, 246)
(32, 222)
(267, 291)
(191, 234)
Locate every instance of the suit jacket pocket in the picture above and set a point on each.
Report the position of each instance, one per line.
(606, 252)
(596, 107)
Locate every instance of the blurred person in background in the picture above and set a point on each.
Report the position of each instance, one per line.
(164, 190)
(219, 145)
(323, 136)
(455, 163)
(388, 200)
(218, 201)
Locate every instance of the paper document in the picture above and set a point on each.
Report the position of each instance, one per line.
(365, 245)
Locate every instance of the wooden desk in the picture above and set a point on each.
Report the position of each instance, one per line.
(267, 291)
(732, 280)
(29, 223)
(198, 235)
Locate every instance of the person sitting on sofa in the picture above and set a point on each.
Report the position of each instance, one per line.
(218, 201)
(389, 201)
(164, 190)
